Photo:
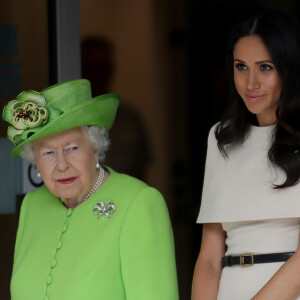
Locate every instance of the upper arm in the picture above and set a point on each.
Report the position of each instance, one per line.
(208, 266)
(212, 244)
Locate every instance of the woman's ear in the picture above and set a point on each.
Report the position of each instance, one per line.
(96, 154)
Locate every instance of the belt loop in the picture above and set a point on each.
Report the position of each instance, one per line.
(228, 261)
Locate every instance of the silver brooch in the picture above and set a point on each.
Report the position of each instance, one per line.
(102, 208)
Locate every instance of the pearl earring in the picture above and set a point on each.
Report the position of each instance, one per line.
(38, 174)
(97, 165)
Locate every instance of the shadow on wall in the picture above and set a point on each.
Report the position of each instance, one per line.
(130, 151)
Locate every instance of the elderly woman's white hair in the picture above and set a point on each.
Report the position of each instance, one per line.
(97, 136)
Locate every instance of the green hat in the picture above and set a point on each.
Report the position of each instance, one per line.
(62, 106)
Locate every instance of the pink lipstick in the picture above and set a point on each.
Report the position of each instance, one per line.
(255, 97)
(67, 180)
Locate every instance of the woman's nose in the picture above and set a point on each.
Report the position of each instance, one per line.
(61, 163)
(253, 81)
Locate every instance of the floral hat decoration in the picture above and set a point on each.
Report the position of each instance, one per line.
(62, 106)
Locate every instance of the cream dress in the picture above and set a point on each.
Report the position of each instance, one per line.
(238, 193)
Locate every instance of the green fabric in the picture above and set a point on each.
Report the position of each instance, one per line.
(70, 254)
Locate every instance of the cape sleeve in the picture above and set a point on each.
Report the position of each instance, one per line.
(212, 163)
(241, 187)
(147, 249)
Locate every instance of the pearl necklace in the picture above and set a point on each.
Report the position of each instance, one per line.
(97, 185)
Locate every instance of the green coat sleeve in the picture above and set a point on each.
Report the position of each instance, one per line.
(147, 249)
(19, 235)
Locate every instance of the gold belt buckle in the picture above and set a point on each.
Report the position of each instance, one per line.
(242, 260)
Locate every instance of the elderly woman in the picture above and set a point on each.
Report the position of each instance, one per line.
(89, 232)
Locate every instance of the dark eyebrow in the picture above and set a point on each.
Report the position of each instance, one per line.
(265, 61)
(258, 62)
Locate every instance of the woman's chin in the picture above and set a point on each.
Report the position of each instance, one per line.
(67, 197)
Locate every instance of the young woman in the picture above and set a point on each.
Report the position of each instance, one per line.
(250, 204)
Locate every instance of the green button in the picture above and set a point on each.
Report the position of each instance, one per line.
(64, 228)
(58, 246)
(69, 212)
(53, 263)
(49, 280)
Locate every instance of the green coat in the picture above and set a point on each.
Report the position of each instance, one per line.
(71, 254)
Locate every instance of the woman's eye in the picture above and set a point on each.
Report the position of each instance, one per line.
(48, 153)
(240, 67)
(266, 67)
(74, 148)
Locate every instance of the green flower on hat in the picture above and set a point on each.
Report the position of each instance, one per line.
(27, 114)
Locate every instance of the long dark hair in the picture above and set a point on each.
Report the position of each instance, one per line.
(281, 35)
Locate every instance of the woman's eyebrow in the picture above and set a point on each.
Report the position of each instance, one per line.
(257, 62)
(265, 61)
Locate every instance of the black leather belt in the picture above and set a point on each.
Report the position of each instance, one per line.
(249, 259)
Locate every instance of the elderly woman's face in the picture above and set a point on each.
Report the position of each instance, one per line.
(67, 163)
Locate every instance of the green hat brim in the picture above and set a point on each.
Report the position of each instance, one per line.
(100, 111)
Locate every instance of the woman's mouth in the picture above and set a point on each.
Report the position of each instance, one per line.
(67, 180)
(255, 97)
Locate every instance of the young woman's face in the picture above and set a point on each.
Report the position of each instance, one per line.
(256, 78)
